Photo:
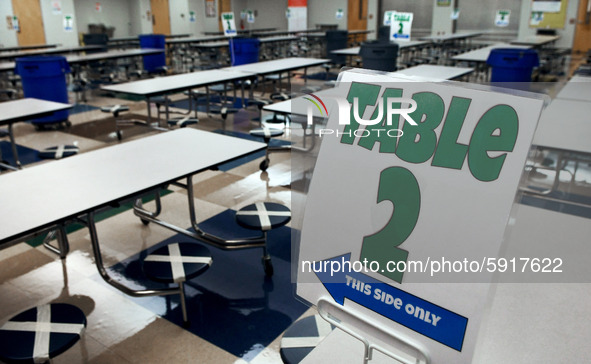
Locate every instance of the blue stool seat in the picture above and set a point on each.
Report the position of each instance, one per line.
(263, 216)
(302, 337)
(41, 333)
(182, 121)
(58, 152)
(177, 262)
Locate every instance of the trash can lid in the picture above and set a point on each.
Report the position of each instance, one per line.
(513, 58)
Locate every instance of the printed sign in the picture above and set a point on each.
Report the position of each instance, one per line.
(288, 13)
(340, 14)
(68, 22)
(15, 24)
(546, 6)
(98, 7)
(192, 16)
(249, 16)
(388, 17)
(536, 17)
(229, 24)
(401, 26)
(502, 18)
(412, 189)
(56, 7)
(455, 14)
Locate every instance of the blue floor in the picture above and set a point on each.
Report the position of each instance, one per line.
(78, 108)
(232, 305)
(25, 155)
(240, 161)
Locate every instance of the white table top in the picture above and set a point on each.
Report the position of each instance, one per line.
(353, 51)
(436, 72)
(56, 51)
(210, 38)
(73, 58)
(481, 55)
(536, 40)
(87, 181)
(284, 38)
(278, 65)
(448, 37)
(565, 125)
(29, 108)
(515, 331)
(578, 88)
(180, 82)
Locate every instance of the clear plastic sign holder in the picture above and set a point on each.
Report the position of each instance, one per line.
(354, 318)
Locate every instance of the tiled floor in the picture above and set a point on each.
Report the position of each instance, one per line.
(121, 329)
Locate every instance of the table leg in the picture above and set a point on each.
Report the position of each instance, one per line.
(13, 146)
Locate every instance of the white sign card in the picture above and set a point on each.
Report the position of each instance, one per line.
(442, 190)
(536, 17)
(400, 26)
(56, 7)
(388, 17)
(339, 14)
(15, 24)
(250, 16)
(68, 22)
(229, 24)
(192, 18)
(455, 14)
(550, 6)
(502, 18)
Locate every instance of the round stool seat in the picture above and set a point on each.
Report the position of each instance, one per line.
(266, 132)
(177, 262)
(223, 110)
(159, 100)
(259, 102)
(182, 121)
(41, 333)
(115, 109)
(263, 216)
(58, 152)
(302, 337)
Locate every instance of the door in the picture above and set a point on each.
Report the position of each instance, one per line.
(357, 17)
(225, 6)
(160, 17)
(583, 30)
(30, 22)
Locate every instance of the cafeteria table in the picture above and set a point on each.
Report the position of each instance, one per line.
(22, 110)
(76, 188)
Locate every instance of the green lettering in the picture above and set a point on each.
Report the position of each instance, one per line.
(450, 154)
(366, 94)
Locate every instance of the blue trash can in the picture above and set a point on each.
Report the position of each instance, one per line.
(153, 62)
(512, 64)
(44, 77)
(244, 50)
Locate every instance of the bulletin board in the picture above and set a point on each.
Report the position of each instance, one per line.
(551, 20)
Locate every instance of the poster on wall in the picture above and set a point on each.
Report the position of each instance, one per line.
(68, 23)
(339, 14)
(536, 17)
(210, 8)
(98, 7)
(56, 7)
(455, 14)
(502, 18)
(297, 15)
(15, 24)
(250, 16)
(192, 16)
(546, 6)
(443, 2)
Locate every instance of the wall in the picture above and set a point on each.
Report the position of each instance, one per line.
(270, 14)
(323, 12)
(139, 22)
(566, 35)
(422, 12)
(114, 13)
(54, 24)
(7, 37)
